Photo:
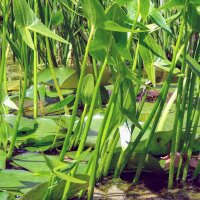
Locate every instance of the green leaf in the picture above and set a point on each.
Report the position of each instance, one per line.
(192, 63)
(93, 11)
(26, 20)
(144, 9)
(193, 17)
(150, 52)
(20, 180)
(173, 3)
(57, 18)
(63, 74)
(157, 17)
(61, 104)
(25, 123)
(87, 89)
(39, 163)
(122, 2)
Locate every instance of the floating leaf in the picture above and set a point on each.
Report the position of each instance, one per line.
(24, 125)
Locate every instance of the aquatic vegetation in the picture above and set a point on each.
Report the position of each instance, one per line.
(100, 87)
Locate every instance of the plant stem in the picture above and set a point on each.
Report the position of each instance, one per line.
(88, 123)
(20, 111)
(160, 101)
(78, 93)
(35, 64)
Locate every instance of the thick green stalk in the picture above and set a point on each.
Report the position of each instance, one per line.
(20, 111)
(35, 67)
(4, 42)
(3, 51)
(78, 94)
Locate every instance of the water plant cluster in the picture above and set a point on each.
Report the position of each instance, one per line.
(78, 109)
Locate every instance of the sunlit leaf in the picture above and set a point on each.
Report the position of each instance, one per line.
(26, 20)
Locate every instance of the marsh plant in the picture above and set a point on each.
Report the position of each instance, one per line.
(96, 62)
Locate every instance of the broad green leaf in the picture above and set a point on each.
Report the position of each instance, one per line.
(26, 35)
(117, 15)
(61, 104)
(192, 63)
(26, 20)
(150, 52)
(25, 123)
(173, 3)
(37, 192)
(148, 58)
(39, 163)
(20, 180)
(45, 127)
(122, 2)
(157, 17)
(87, 89)
(144, 9)
(62, 73)
(94, 12)
(57, 18)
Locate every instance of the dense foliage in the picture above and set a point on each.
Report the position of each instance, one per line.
(97, 63)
